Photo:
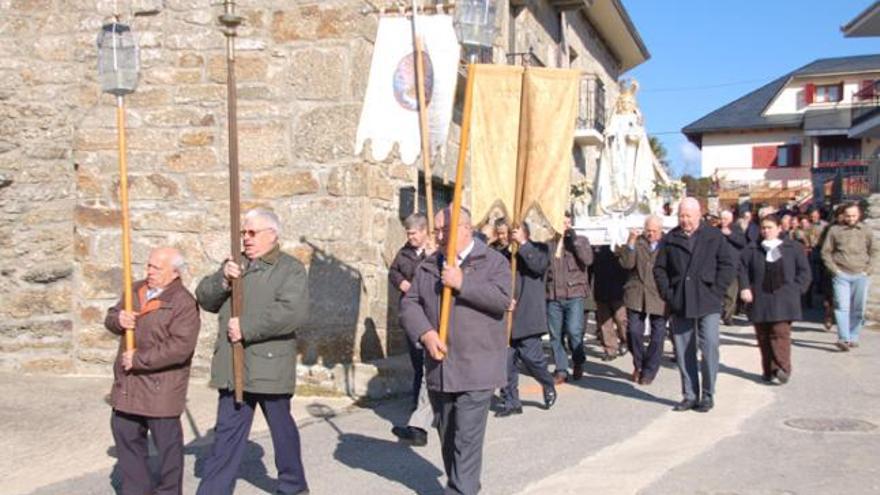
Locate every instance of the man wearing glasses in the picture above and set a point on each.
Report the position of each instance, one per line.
(275, 304)
(462, 373)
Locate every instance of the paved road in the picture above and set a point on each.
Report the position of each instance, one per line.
(608, 436)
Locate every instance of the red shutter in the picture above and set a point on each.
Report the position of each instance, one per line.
(794, 151)
(866, 89)
(809, 93)
(763, 156)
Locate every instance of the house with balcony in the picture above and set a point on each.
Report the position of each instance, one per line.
(807, 133)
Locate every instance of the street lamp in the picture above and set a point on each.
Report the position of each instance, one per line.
(475, 25)
(117, 59)
(118, 74)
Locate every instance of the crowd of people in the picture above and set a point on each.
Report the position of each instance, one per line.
(766, 264)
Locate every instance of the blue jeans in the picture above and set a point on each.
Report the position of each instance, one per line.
(566, 315)
(850, 294)
(690, 335)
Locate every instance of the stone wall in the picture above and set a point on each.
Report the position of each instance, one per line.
(301, 70)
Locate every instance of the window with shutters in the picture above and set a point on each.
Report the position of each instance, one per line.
(771, 156)
(828, 93)
(788, 155)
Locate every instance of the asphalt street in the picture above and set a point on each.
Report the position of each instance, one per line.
(818, 434)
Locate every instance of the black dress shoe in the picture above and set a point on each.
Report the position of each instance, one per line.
(705, 405)
(685, 405)
(577, 372)
(608, 357)
(416, 437)
(508, 411)
(549, 396)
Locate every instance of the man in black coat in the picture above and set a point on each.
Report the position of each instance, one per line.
(400, 275)
(529, 323)
(608, 278)
(693, 270)
(736, 239)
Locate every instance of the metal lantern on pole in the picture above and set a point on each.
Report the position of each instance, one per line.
(475, 24)
(475, 28)
(118, 73)
(118, 62)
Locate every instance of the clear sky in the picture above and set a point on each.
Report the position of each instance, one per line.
(707, 53)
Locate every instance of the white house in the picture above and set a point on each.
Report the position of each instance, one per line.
(804, 128)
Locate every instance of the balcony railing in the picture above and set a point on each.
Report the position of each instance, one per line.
(866, 104)
(591, 104)
(842, 164)
(840, 181)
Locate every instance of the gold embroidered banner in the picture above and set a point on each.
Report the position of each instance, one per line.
(526, 118)
(494, 130)
(546, 141)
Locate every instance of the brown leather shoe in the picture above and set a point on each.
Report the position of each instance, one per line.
(843, 346)
(637, 376)
(559, 377)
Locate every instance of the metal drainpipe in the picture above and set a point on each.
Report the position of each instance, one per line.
(563, 43)
(511, 41)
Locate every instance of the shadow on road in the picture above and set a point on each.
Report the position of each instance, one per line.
(610, 380)
(745, 375)
(391, 460)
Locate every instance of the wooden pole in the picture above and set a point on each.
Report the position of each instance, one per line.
(519, 192)
(231, 21)
(423, 122)
(452, 239)
(127, 302)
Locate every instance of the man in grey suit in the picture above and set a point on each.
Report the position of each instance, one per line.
(462, 374)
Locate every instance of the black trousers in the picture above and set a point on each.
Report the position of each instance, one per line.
(528, 353)
(230, 440)
(130, 435)
(417, 358)
(646, 361)
(461, 422)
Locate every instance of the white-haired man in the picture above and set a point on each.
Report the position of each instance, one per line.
(150, 382)
(693, 269)
(276, 304)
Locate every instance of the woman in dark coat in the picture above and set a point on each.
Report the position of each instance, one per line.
(773, 275)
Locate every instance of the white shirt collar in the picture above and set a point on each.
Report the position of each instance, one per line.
(464, 254)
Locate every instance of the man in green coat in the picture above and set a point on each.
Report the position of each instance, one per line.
(275, 303)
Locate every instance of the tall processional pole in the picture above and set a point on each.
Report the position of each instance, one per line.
(230, 22)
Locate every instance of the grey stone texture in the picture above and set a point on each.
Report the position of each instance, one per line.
(302, 70)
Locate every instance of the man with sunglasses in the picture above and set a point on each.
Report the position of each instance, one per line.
(275, 305)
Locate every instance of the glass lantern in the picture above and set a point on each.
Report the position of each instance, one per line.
(118, 63)
(475, 23)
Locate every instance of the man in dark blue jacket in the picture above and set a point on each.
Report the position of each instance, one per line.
(694, 267)
(529, 323)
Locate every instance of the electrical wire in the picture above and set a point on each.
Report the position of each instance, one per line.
(696, 88)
